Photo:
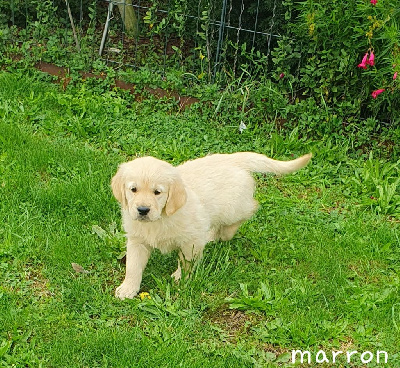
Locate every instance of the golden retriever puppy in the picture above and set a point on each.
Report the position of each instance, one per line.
(187, 206)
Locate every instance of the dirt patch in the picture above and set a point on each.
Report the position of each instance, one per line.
(63, 78)
(276, 350)
(233, 322)
(38, 283)
(235, 325)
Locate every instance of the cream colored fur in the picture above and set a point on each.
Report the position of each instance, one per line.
(187, 206)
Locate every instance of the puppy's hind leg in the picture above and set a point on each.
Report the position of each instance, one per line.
(228, 232)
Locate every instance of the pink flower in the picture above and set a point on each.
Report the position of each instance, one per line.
(364, 62)
(376, 93)
(395, 76)
(373, 2)
(367, 60)
(371, 60)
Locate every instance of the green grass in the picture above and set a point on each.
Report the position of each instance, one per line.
(316, 268)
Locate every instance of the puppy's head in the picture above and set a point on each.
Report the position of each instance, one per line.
(148, 188)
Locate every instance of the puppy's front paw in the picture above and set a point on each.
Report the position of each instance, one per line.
(126, 291)
(177, 275)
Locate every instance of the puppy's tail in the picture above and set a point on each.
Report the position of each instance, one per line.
(256, 162)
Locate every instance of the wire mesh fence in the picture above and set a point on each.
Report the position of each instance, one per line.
(207, 38)
(216, 36)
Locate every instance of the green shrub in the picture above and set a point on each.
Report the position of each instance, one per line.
(324, 43)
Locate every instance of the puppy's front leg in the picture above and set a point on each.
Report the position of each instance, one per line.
(187, 257)
(137, 255)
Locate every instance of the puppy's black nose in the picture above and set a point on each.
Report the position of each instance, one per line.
(143, 211)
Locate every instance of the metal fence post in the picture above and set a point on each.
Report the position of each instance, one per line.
(220, 40)
(103, 40)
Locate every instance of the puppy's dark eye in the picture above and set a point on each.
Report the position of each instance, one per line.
(133, 190)
(157, 192)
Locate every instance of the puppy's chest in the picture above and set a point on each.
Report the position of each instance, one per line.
(161, 240)
(164, 238)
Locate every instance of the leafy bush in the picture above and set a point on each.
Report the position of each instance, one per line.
(324, 43)
(377, 184)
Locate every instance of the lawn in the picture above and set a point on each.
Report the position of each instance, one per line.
(317, 268)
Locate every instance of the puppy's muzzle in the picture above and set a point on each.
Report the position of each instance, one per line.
(143, 211)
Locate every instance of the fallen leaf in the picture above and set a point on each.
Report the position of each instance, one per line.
(78, 268)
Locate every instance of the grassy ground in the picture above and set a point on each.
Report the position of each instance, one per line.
(316, 268)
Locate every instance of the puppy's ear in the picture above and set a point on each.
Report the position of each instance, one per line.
(118, 188)
(176, 197)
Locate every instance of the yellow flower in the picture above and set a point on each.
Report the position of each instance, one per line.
(311, 23)
(201, 56)
(311, 29)
(144, 295)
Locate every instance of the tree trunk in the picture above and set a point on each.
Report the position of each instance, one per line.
(129, 17)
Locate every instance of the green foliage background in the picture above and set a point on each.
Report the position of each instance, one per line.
(311, 61)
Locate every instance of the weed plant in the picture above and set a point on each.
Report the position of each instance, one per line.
(316, 268)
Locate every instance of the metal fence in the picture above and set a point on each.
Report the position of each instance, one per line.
(217, 36)
(208, 38)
